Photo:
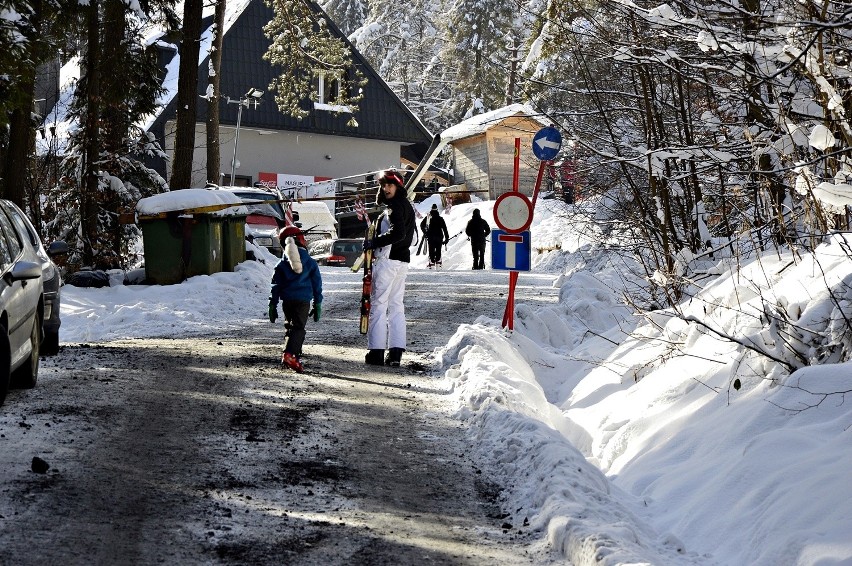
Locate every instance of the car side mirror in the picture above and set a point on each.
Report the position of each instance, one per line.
(59, 247)
(23, 271)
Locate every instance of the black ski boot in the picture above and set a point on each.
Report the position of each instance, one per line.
(374, 357)
(394, 357)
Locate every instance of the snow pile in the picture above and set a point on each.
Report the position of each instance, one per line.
(702, 441)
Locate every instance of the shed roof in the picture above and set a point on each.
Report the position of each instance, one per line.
(480, 123)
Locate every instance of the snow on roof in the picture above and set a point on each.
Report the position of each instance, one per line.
(190, 198)
(481, 122)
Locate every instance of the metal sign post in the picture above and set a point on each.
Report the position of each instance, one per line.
(511, 246)
(513, 214)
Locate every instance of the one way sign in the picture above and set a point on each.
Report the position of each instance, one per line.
(546, 143)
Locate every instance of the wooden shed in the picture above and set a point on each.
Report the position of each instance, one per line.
(483, 150)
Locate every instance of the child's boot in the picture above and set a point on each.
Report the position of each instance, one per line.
(292, 362)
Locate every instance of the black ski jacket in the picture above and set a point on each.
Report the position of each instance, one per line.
(477, 229)
(402, 225)
(437, 229)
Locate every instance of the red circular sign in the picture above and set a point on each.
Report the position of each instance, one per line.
(513, 212)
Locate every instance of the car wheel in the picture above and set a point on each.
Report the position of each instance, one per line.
(50, 344)
(5, 363)
(26, 376)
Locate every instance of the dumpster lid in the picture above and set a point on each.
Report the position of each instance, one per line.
(192, 201)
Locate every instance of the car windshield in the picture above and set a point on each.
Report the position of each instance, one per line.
(344, 247)
(273, 208)
(320, 248)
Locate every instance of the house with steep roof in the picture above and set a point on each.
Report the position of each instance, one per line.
(272, 147)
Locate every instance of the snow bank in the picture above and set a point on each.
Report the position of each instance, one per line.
(711, 453)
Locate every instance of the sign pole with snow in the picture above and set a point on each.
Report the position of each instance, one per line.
(510, 245)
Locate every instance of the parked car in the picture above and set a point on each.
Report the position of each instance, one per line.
(21, 305)
(339, 252)
(264, 219)
(51, 277)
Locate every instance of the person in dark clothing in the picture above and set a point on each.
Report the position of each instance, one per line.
(391, 259)
(436, 236)
(295, 282)
(477, 231)
(424, 224)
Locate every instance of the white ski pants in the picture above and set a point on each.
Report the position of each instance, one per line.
(387, 313)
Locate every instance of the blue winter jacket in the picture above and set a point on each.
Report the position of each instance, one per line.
(289, 285)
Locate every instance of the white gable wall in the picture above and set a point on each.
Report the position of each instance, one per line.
(292, 153)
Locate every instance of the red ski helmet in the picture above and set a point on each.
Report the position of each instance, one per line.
(293, 231)
(392, 176)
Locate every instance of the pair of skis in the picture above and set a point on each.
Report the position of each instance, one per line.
(367, 282)
(366, 259)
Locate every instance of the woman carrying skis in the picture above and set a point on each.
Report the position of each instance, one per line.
(391, 257)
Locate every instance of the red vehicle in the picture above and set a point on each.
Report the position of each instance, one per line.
(339, 252)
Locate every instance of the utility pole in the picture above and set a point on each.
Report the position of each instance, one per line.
(252, 97)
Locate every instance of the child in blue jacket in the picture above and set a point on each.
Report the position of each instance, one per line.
(296, 282)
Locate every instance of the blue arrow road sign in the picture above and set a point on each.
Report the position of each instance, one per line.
(546, 143)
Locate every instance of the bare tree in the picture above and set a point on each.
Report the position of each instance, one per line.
(214, 95)
(187, 96)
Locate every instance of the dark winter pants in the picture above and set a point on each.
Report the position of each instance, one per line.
(295, 318)
(435, 250)
(478, 254)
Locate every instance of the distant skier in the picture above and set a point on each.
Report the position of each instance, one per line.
(477, 230)
(424, 224)
(424, 227)
(436, 236)
(295, 282)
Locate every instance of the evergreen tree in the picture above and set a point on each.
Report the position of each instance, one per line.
(26, 42)
(102, 174)
(403, 43)
(475, 54)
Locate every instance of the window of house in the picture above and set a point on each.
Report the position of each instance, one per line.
(239, 180)
(330, 90)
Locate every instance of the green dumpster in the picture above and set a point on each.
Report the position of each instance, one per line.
(190, 232)
(180, 247)
(233, 241)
